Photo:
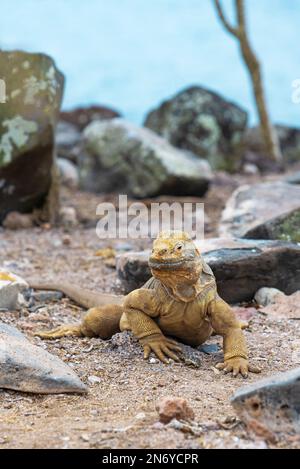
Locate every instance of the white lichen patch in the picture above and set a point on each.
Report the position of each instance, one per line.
(33, 86)
(26, 65)
(17, 134)
(15, 93)
(2, 91)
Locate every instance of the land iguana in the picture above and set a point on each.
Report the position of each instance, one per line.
(179, 301)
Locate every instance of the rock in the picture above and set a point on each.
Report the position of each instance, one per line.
(11, 331)
(68, 141)
(82, 116)
(272, 405)
(263, 211)
(28, 368)
(170, 408)
(34, 88)
(289, 138)
(241, 267)
(209, 349)
(68, 217)
(293, 178)
(94, 379)
(122, 157)
(11, 289)
(68, 172)
(267, 296)
(203, 122)
(284, 306)
(45, 296)
(250, 169)
(18, 221)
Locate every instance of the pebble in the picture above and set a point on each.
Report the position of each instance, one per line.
(94, 379)
(170, 408)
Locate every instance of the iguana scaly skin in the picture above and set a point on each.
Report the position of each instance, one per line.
(179, 301)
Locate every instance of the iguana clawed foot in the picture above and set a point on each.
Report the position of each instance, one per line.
(163, 347)
(236, 366)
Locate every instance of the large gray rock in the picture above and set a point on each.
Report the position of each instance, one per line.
(240, 266)
(271, 406)
(122, 157)
(263, 211)
(203, 122)
(28, 368)
(34, 88)
(289, 138)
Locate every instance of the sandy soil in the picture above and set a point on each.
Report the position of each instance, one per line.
(119, 411)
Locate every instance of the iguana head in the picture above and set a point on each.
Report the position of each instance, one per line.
(175, 255)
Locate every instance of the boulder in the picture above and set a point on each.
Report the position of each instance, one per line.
(80, 117)
(18, 221)
(68, 173)
(267, 296)
(263, 211)
(293, 178)
(68, 141)
(11, 289)
(28, 368)
(289, 138)
(240, 266)
(203, 122)
(122, 157)
(34, 88)
(271, 406)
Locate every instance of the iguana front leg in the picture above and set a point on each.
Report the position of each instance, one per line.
(225, 323)
(139, 309)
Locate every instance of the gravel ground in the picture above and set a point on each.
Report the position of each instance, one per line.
(119, 410)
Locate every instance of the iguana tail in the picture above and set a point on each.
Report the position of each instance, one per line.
(101, 322)
(86, 298)
(62, 331)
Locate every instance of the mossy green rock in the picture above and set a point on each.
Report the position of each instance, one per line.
(120, 156)
(263, 211)
(33, 88)
(203, 122)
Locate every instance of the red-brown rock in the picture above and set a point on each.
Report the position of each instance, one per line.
(170, 408)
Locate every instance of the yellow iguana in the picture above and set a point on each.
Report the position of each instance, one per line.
(180, 301)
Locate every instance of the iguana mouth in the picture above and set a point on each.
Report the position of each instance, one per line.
(167, 263)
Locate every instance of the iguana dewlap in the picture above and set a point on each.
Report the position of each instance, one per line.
(179, 301)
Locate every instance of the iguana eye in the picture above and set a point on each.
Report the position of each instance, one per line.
(178, 247)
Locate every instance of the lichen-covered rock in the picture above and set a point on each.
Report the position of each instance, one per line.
(122, 157)
(263, 211)
(11, 287)
(289, 138)
(28, 118)
(203, 122)
(271, 406)
(240, 266)
(28, 368)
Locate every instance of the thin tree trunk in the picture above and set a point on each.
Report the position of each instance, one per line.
(240, 32)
